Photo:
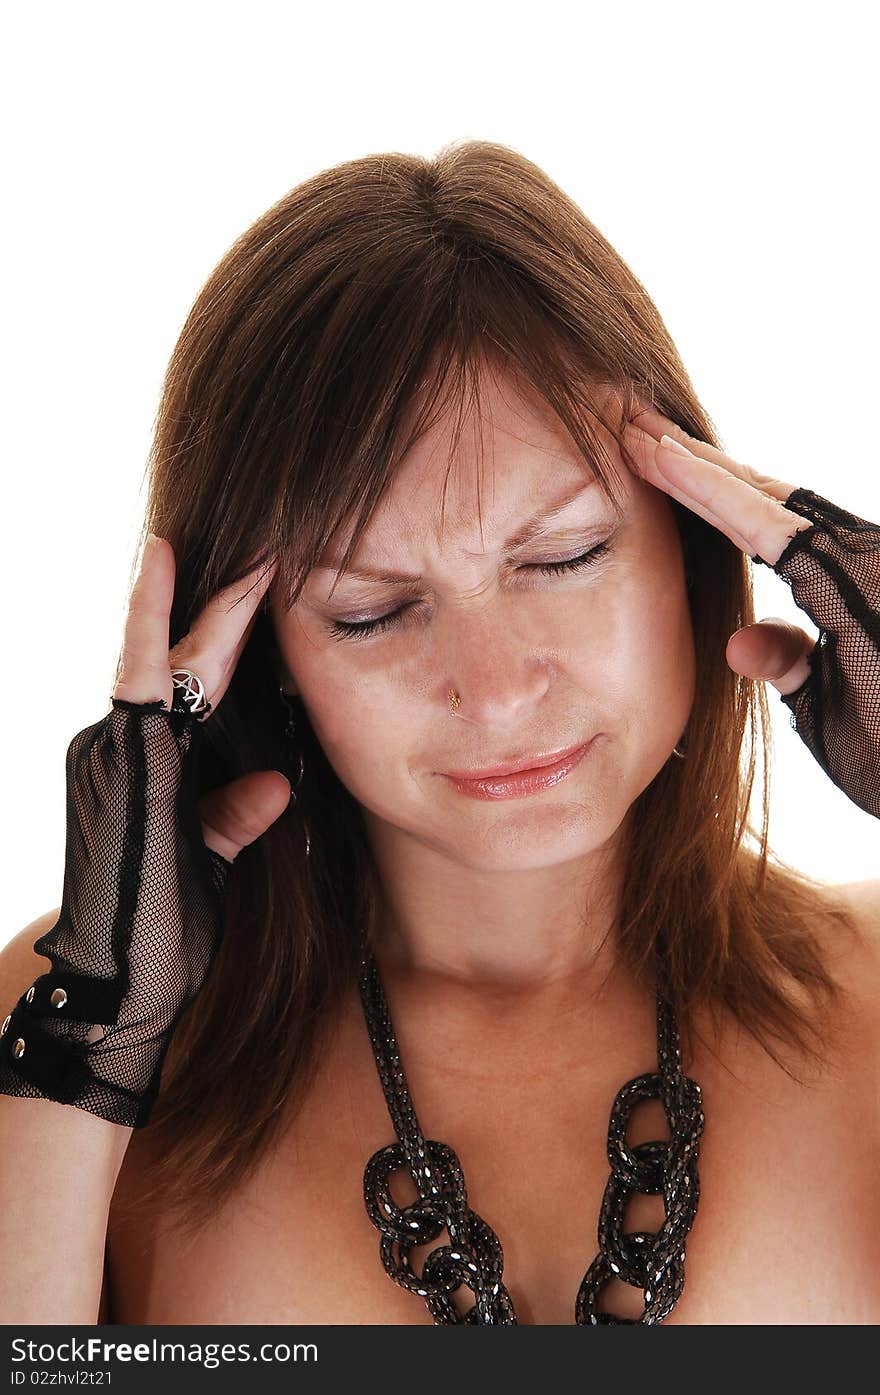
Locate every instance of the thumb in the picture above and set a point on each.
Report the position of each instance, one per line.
(773, 649)
(236, 814)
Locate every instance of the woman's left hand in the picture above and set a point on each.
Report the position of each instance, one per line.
(749, 508)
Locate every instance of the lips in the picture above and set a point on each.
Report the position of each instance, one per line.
(536, 762)
(522, 783)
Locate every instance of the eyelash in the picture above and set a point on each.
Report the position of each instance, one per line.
(361, 629)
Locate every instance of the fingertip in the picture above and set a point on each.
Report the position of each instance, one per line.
(154, 551)
(282, 776)
(147, 552)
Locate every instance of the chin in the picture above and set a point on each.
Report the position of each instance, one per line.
(518, 837)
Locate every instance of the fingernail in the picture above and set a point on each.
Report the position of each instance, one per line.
(674, 446)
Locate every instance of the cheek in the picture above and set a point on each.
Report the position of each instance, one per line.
(655, 642)
(670, 664)
(356, 714)
(630, 643)
(654, 667)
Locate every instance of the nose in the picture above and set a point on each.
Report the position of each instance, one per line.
(496, 668)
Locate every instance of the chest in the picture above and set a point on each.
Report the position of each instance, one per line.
(786, 1229)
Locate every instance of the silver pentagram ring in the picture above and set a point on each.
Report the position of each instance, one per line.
(189, 693)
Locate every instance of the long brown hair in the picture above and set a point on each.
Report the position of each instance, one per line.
(285, 412)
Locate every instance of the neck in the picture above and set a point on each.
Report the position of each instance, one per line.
(540, 935)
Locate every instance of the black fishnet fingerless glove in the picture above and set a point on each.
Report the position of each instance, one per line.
(140, 923)
(833, 569)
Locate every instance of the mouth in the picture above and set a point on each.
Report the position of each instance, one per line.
(515, 766)
(513, 782)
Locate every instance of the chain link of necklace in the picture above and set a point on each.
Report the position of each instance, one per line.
(650, 1260)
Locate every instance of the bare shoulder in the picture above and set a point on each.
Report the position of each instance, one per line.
(857, 961)
(19, 963)
(863, 899)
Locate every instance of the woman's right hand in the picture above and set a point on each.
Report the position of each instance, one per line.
(146, 865)
(239, 812)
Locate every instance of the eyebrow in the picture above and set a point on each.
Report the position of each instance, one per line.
(523, 535)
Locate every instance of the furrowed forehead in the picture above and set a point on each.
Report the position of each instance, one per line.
(532, 526)
(551, 470)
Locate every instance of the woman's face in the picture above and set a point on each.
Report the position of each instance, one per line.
(541, 661)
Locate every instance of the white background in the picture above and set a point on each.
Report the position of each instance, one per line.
(729, 154)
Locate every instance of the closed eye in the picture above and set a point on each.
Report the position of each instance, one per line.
(360, 629)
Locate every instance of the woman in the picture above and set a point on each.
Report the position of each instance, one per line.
(485, 969)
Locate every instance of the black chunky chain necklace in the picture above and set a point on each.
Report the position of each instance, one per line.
(652, 1261)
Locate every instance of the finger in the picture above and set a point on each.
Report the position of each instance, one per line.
(236, 814)
(213, 644)
(774, 650)
(655, 424)
(755, 521)
(643, 450)
(143, 674)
